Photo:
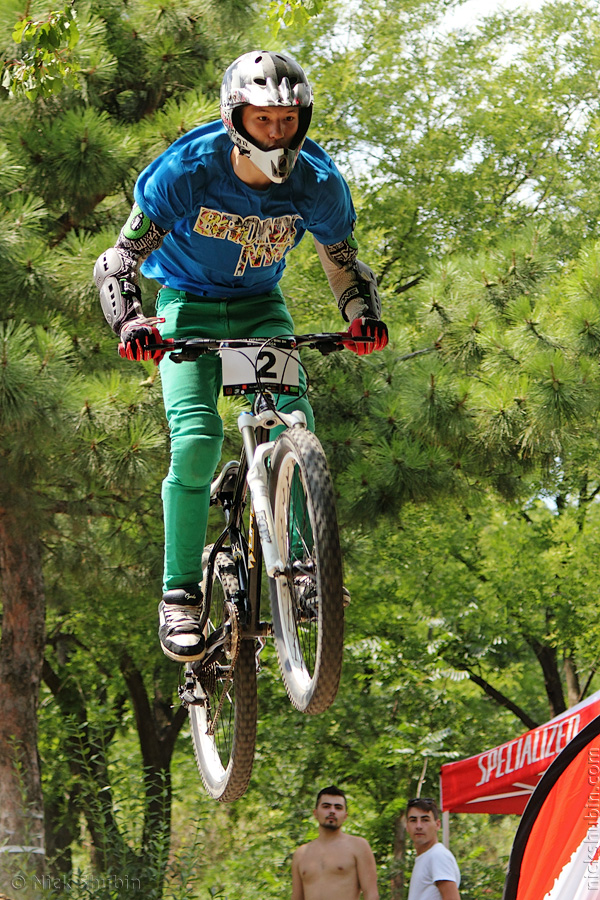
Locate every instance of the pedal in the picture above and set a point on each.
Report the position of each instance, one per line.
(187, 691)
(188, 698)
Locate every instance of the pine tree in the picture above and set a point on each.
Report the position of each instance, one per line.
(83, 442)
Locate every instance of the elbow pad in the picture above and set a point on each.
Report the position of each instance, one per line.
(353, 283)
(116, 270)
(116, 278)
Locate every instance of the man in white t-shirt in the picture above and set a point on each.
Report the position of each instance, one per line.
(435, 874)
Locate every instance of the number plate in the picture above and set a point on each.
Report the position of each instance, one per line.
(246, 370)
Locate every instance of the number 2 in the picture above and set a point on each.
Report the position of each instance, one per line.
(267, 369)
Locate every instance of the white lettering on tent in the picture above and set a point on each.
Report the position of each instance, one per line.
(531, 748)
(554, 734)
(481, 764)
(499, 767)
(536, 741)
(492, 759)
(526, 752)
(547, 742)
(573, 727)
(509, 767)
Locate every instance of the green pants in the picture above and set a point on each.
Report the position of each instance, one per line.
(191, 391)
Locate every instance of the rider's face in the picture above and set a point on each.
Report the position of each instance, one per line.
(272, 127)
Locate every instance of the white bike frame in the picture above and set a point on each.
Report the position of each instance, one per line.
(257, 479)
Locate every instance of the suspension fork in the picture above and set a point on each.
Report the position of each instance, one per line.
(257, 453)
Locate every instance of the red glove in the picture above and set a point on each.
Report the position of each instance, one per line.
(364, 327)
(137, 337)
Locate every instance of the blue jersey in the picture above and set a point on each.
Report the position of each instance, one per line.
(225, 238)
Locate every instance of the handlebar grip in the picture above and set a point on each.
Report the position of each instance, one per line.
(167, 344)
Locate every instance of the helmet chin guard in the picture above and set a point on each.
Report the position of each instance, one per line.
(263, 78)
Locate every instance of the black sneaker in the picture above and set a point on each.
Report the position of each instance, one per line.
(180, 623)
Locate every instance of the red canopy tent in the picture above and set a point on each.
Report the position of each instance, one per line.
(502, 779)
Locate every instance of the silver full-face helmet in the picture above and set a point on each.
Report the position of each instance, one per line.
(263, 78)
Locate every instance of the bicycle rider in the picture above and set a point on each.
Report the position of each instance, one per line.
(213, 220)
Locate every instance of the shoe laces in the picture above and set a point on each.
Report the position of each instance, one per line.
(176, 614)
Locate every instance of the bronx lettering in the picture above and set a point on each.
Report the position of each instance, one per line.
(541, 744)
(262, 241)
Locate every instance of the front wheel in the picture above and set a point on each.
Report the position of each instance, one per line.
(306, 604)
(224, 712)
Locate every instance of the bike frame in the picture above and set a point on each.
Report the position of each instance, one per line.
(260, 546)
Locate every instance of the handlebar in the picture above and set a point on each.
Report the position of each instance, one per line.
(187, 349)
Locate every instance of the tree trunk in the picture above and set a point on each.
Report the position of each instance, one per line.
(547, 658)
(397, 874)
(21, 657)
(572, 679)
(85, 749)
(158, 727)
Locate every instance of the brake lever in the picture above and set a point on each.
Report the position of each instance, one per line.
(330, 347)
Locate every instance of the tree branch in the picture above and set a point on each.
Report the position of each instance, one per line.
(501, 699)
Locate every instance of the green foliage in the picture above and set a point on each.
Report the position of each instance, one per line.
(457, 137)
(47, 61)
(36, 385)
(291, 13)
(464, 457)
(84, 443)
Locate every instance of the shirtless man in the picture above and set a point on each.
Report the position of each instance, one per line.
(335, 866)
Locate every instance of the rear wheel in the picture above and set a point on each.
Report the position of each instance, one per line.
(223, 714)
(306, 605)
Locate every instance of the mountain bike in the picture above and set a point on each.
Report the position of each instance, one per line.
(279, 508)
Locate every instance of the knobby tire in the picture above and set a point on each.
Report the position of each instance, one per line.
(307, 607)
(225, 758)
